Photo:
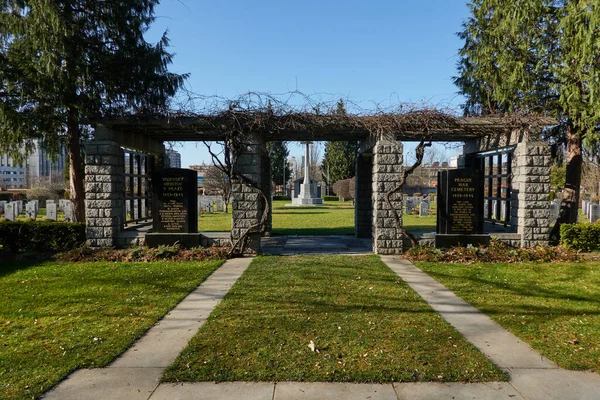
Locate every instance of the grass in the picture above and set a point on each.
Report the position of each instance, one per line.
(335, 218)
(553, 307)
(366, 325)
(59, 317)
(417, 224)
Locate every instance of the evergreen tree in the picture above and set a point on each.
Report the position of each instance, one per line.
(278, 156)
(537, 56)
(67, 63)
(340, 157)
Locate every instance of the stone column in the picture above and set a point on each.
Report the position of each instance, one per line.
(531, 182)
(248, 205)
(104, 192)
(387, 167)
(363, 207)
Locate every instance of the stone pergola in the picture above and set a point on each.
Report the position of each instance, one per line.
(378, 170)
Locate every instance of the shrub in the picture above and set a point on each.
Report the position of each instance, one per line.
(281, 197)
(331, 198)
(584, 237)
(145, 254)
(6, 196)
(344, 189)
(496, 252)
(41, 237)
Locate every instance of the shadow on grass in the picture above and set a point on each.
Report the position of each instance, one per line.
(313, 231)
(9, 267)
(300, 212)
(530, 291)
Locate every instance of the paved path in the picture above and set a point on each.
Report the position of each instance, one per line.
(136, 374)
(291, 245)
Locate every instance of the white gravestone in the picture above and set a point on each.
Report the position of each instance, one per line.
(594, 212)
(51, 212)
(219, 206)
(30, 211)
(9, 211)
(409, 204)
(424, 208)
(37, 205)
(68, 210)
(49, 202)
(584, 206)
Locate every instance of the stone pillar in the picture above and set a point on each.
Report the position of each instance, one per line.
(531, 184)
(248, 205)
(104, 192)
(363, 207)
(387, 167)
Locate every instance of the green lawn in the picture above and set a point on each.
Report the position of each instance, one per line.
(417, 224)
(335, 218)
(365, 323)
(58, 317)
(553, 307)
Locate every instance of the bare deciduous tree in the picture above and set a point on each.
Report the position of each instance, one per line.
(217, 180)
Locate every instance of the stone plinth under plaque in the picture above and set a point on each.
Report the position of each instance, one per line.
(174, 208)
(460, 208)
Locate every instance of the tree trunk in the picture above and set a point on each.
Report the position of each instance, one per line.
(569, 208)
(77, 192)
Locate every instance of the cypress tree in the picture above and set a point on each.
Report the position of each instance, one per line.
(537, 56)
(65, 64)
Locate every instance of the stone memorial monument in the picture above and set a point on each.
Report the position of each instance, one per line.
(307, 196)
(49, 202)
(174, 208)
(460, 208)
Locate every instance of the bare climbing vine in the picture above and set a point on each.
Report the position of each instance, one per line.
(235, 122)
(420, 153)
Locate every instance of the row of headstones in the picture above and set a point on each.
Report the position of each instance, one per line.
(494, 207)
(13, 209)
(210, 205)
(591, 210)
(422, 203)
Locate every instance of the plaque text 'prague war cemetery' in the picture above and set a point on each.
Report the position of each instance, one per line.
(460, 202)
(175, 201)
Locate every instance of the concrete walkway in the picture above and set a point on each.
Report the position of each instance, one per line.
(136, 374)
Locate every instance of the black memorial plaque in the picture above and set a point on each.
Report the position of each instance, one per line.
(175, 205)
(460, 202)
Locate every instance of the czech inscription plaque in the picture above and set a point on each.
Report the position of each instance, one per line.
(460, 202)
(175, 205)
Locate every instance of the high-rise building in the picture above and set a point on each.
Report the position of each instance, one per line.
(37, 166)
(12, 175)
(174, 158)
(40, 166)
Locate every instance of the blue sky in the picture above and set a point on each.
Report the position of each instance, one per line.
(372, 52)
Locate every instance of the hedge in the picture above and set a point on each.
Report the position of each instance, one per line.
(281, 197)
(43, 237)
(584, 237)
(331, 198)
